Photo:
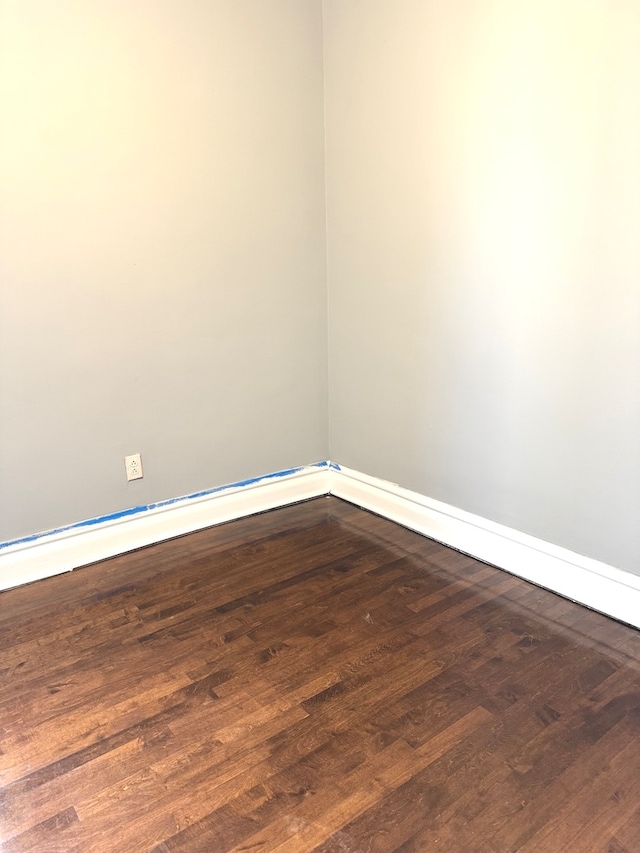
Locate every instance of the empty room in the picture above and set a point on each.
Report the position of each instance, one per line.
(319, 426)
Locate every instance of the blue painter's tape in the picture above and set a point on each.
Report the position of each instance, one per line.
(139, 510)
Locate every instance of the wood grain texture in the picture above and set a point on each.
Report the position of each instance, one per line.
(313, 679)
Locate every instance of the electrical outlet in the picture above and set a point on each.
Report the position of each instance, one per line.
(133, 466)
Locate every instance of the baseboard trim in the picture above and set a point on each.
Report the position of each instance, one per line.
(65, 549)
(596, 585)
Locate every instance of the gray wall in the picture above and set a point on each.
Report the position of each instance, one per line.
(483, 203)
(162, 254)
(162, 250)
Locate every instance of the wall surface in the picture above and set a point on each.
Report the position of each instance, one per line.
(483, 203)
(162, 254)
(162, 250)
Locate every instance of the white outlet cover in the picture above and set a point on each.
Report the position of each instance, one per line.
(133, 467)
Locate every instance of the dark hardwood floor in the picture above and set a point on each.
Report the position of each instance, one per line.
(313, 679)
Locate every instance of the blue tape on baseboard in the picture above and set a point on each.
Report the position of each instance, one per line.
(138, 510)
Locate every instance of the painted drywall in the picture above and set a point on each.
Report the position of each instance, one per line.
(483, 206)
(162, 250)
(162, 254)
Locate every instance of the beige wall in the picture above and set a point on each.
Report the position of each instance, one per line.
(162, 255)
(483, 203)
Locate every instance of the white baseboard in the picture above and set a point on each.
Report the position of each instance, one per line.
(78, 545)
(597, 585)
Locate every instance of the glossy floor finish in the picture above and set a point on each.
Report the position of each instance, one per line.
(313, 679)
